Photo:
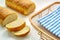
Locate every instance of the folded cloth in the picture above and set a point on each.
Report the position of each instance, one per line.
(52, 22)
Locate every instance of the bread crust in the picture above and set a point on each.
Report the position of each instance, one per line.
(7, 15)
(21, 35)
(23, 6)
(23, 3)
(4, 12)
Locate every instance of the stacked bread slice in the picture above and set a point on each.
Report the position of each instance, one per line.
(22, 32)
(17, 26)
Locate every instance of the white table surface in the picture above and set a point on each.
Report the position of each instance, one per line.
(33, 35)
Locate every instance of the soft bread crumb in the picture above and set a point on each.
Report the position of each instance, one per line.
(22, 32)
(16, 25)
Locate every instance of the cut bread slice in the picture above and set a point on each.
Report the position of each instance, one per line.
(9, 19)
(22, 32)
(7, 15)
(16, 25)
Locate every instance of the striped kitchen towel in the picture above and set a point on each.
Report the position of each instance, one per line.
(52, 22)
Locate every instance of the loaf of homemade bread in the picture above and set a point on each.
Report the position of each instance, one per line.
(16, 25)
(23, 6)
(22, 32)
(7, 15)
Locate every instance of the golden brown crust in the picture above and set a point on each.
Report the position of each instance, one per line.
(21, 11)
(23, 34)
(4, 12)
(1, 21)
(23, 6)
(23, 3)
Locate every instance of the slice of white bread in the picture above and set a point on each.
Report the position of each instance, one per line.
(22, 32)
(7, 15)
(16, 25)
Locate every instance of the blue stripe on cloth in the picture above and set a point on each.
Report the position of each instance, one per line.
(50, 13)
(54, 28)
(58, 33)
(52, 22)
(58, 29)
(45, 21)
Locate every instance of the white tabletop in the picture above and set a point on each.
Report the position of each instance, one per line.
(33, 35)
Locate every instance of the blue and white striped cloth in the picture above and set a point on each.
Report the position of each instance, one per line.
(52, 22)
